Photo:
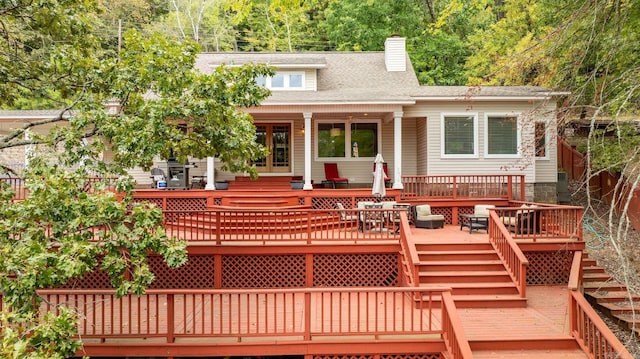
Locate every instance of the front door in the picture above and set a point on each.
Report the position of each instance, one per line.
(277, 139)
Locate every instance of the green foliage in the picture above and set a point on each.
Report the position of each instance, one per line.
(60, 232)
(45, 42)
(69, 226)
(613, 148)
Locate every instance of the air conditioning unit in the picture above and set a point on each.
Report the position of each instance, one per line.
(562, 188)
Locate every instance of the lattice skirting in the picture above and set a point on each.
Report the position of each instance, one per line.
(265, 271)
(268, 271)
(549, 267)
(382, 356)
(197, 273)
(355, 270)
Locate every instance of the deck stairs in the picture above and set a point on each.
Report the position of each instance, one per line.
(610, 296)
(262, 183)
(483, 291)
(474, 271)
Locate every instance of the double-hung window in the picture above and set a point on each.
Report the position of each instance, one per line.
(283, 80)
(502, 136)
(347, 139)
(541, 140)
(459, 139)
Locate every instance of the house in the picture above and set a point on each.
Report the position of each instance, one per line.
(346, 107)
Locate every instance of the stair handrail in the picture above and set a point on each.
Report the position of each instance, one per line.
(575, 276)
(591, 333)
(452, 330)
(409, 252)
(507, 249)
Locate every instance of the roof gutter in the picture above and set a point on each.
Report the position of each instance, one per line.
(542, 96)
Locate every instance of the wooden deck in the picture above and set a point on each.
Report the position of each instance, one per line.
(456, 292)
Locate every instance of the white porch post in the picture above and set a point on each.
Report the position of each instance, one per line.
(397, 150)
(28, 151)
(210, 174)
(307, 151)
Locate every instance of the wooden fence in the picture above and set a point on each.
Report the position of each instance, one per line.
(601, 185)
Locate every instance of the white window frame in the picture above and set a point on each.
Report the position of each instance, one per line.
(347, 142)
(286, 78)
(443, 117)
(546, 141)
(518, 118)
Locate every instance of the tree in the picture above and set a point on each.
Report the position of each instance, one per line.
(436, 32)
(69, 226)
(273, 25)
(504, 53)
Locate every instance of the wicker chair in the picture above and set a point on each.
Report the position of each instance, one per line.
(423, 217)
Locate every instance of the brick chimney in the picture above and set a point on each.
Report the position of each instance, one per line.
(395, 53)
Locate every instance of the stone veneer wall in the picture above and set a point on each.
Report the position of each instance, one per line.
(545, 193)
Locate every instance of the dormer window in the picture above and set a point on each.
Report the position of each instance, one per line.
(283, 80)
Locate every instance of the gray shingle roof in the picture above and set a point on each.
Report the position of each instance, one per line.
(356, 77)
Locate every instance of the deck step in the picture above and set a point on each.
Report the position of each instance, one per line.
(601, 277)
(485, 254)
(592, 269)
(490, 288)
(445, 246)
(462, 265)
(538, 345)
(487, 301)
(615, 308)
(530, 354)
(464, 276)
(629, 321)
(614, 296)
(590, 287)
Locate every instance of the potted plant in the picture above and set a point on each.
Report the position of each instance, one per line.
(222, 184)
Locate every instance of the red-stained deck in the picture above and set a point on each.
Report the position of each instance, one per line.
(539, 330)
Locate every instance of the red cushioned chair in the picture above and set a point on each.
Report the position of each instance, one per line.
(332, 175)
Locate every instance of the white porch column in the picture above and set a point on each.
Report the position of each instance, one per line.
(29, 149)
(397, 150)
(307, 151)
(210, 174)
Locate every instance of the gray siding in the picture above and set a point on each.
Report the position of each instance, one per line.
(436, 165)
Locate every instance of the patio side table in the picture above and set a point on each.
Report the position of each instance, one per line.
(474, 221)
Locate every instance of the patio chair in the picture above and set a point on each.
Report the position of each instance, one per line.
(423, 217)
(482, 209)
(396, 219)
(346, 217)
(372, 217)
(332, 176)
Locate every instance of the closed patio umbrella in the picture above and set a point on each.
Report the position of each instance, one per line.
(378, 189)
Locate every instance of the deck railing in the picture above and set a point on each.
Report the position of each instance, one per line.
(452, 331)
(282, 225)
(21, 192)
(512, 256)
(538, 221)
(585, 325)
(17, 184)
(463, 186)
(293, 314)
